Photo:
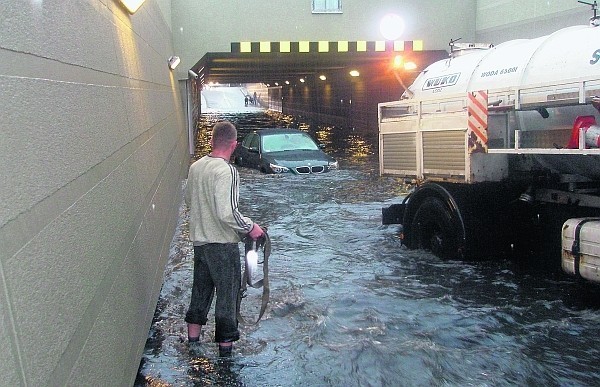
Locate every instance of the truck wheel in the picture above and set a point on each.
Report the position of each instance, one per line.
(434, 229)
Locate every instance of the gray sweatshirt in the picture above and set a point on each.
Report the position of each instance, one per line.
(212, 194)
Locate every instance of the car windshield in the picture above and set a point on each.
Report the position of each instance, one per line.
(287, 141)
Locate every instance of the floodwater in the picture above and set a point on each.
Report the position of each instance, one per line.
(350, 306)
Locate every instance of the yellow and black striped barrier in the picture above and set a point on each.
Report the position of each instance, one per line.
(327, 46)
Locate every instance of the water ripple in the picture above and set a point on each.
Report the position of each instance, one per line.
(351, 307)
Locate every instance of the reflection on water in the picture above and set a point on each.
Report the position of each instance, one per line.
(351, 307)
(339, 141)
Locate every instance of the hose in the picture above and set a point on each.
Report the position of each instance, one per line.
(264, 243)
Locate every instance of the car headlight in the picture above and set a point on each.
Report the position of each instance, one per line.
(333, 165)
(278, 168)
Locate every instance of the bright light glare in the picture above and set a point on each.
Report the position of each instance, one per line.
(302, 80)
(354, 73)
(391, 26)
(322, 77)
(398, 61)
(132, 5)
(410, 66)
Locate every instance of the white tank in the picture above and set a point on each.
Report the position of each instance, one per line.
(569, 53)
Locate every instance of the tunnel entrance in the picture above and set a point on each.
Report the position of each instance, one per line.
(328, 86)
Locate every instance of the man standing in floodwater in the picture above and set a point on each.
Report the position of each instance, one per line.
(216, 228)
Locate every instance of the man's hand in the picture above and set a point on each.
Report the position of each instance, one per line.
(256, 232)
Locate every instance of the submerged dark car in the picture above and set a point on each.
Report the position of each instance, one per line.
(282, 150)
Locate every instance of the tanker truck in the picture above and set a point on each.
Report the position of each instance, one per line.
(501, 144)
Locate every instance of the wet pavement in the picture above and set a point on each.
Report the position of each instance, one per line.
(351, 307)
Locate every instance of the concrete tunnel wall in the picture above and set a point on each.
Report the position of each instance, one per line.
(499, 21)
(94, 148)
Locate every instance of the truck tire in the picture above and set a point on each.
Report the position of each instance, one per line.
(434, 228)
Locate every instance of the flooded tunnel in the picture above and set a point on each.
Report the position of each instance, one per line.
(97, 145)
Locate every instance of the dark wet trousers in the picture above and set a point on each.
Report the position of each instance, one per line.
(216, 268)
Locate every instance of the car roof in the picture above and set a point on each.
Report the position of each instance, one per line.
(267, 131)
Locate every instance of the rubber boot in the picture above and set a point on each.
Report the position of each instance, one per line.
(225, 349)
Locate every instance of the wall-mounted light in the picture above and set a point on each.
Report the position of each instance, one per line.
(354, 73)
(302, 80)
(322, 77)
(173, 62)
(132, 5)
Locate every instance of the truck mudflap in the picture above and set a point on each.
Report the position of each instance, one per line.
(393, 214)
(581, 248)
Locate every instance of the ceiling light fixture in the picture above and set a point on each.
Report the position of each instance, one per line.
(398, 61)
(408, 66)
(132, 5)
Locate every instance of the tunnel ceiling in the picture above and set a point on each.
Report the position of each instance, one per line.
(227, 68)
